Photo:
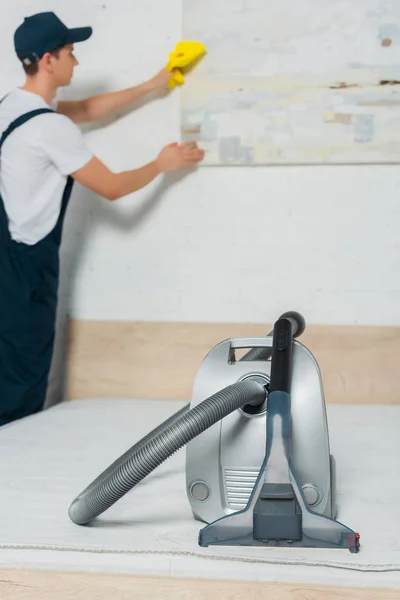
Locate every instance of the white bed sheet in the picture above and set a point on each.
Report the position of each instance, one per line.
(47, 459)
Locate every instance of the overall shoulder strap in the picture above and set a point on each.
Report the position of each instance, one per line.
(21, 120)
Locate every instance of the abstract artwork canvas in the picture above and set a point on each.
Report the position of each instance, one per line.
(294, 81)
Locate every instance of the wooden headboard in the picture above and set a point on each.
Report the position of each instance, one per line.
(359, 364)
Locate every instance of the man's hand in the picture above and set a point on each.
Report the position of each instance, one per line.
(178, 156)
(159, 81)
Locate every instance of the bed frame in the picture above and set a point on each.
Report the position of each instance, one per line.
(121, 359)
(159, 360)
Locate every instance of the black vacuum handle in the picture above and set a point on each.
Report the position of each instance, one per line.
(297, 320)
(298, 324)
(288, 326)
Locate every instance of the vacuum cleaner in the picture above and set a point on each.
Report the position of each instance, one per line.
(259, 471)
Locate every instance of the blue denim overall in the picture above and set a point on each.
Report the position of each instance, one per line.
(29, 276)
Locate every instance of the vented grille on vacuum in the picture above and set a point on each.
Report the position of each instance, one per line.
(239, 484)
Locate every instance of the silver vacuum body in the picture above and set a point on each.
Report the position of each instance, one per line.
(223, 462)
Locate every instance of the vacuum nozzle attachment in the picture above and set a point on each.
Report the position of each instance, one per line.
(277, 513)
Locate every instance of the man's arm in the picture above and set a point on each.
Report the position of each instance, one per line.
(103, 105)
(97, 177)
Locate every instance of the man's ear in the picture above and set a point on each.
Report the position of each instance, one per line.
(46, 61)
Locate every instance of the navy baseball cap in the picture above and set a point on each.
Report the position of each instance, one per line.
(44, 32)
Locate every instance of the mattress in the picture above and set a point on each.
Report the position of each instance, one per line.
(47, 459)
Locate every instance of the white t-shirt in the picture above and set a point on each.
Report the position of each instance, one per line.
(35, 161)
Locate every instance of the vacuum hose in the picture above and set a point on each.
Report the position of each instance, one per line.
(159, 445)
(171, 435)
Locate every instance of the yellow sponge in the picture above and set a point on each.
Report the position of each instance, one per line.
(181, 59)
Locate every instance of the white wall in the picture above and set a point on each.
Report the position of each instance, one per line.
(221, 244)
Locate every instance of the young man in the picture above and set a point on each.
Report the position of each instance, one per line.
(42, 153)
